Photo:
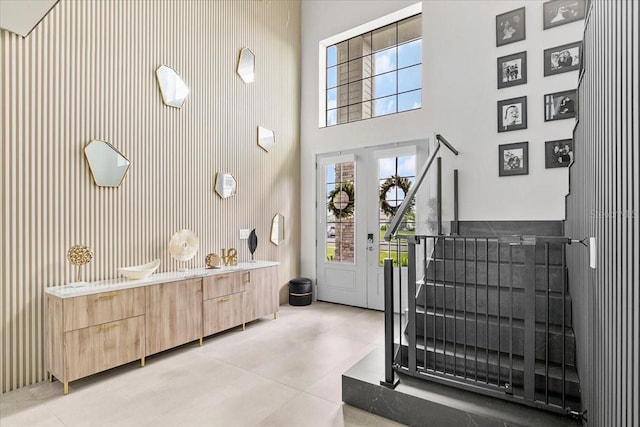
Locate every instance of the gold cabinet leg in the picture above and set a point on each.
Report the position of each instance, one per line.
(142, 362)
(200, 341)
(275, 314)
(65, 388)
(243, 327)
(50, 377)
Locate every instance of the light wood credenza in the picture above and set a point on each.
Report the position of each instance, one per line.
(96, 326)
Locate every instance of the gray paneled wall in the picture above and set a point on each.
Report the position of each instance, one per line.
(603, 202)
(88, 72)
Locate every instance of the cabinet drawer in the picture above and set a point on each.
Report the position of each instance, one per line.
(94, 349)
(222, 313)
(223, 284)
(96, 309)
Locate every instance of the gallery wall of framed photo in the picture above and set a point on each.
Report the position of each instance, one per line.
(558, 56)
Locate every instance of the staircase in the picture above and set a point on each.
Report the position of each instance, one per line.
(493, 314)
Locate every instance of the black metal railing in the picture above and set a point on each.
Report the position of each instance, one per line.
(487, 314)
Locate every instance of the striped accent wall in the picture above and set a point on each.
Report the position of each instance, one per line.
(87, 72)
(604, 203)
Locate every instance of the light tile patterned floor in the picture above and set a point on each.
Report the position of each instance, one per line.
(284, 372)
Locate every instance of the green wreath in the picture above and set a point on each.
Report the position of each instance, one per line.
(342, 200)
(393, 181)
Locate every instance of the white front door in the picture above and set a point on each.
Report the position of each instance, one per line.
(357, 194)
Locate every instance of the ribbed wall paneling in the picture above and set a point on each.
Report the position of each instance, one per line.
(604, 202)
(88, 72)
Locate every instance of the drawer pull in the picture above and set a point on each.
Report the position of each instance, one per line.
(224, 276)
(107, 327)
(109, 295)
(225, 299)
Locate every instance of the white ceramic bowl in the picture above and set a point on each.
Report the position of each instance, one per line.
(137, 272)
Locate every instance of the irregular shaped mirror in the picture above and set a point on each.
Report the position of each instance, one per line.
(108, 166)
(277, 229)
(266, 138)
(247, 65)
(225, 185)
(174, 90)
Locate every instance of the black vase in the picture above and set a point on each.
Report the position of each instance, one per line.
(253, 242)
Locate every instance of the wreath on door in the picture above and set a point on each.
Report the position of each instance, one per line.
(342, 200)
(393, 181)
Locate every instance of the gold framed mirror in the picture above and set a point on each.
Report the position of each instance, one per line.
(277, 229)
(108, 165)
(247, 65)
(225, 185)
(173, 88)
(266, 138)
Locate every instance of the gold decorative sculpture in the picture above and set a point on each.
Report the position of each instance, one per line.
(230, 256)
(79, 255)
(212, 261)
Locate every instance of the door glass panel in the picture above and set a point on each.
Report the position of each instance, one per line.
(396, 176)
(341, 212)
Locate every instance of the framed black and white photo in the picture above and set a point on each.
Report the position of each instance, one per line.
(510, 27)
(560, 12)
(512, 70)
(512, 114)
(513, 159)
(560, 105)
(558, 154)
(562, 59)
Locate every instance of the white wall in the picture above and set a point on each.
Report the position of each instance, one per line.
(459, 99)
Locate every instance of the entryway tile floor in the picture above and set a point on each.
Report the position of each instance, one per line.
(282, 372)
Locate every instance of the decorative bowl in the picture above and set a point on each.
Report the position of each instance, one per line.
(137, 272)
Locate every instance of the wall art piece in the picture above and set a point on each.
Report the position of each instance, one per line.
(266, 138)
(247, 65)
(79, 255)
(560, 12)
(560, 105)
(225, 185)
(513, 159)
(562, 59)
(512, 70)
(22, 17)
(510, 27)
(252, 241)
(108, 165)
(183, 246)
(138, 272)
(512, 114)
(174, 90)
(558, 154)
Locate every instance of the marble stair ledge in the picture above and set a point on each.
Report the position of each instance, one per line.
(415, 402)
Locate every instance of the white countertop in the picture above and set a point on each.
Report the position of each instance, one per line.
(87, 288)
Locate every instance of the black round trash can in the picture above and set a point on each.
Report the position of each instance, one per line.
(300, 292)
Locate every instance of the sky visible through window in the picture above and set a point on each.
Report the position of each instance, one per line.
(375, 74)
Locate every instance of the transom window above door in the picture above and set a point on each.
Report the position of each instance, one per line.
(375, 73)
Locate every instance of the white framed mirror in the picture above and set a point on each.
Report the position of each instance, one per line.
(174, 90)
(266, 138)
(225, 185)
(247, 65)
(277, 229)
(108, 165)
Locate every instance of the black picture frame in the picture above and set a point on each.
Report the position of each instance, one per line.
(510, 27)
(512, 70)
(560, 105)
(513, 159)
(558, 154)
(512, 114)
(562, 59)
(561, 12)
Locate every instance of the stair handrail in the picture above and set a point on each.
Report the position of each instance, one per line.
(406, 203)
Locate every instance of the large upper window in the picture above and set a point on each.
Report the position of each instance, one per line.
(376, 73)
